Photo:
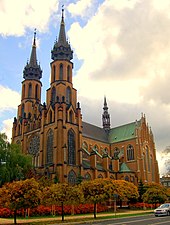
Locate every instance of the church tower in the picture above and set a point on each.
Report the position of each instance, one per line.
(29, 109)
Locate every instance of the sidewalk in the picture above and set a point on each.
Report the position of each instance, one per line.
(70, 217)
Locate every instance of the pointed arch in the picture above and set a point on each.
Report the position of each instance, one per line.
(22, 110)
(100, 176)
(50, 116)
(148, 158)
(23, 91)
(53, 95)
(68, 95)
(126, 178)
(29, 90)
(87, 176)
(36, 91)
(49, 152)
(71, 148)
(34, 148)
(130, 153)
(68, 74)
(72, 178)
(61, 72)
(53, 73)
(71, 116)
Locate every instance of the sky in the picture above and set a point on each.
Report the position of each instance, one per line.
(121, 51)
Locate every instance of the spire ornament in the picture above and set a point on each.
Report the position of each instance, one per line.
(62, 49)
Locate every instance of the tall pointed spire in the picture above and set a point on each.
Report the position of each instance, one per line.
(33, 57)
(106, 116)
(32, 70)
(62, 49)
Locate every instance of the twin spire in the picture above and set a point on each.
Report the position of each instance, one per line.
(62, 49)
(33, 70)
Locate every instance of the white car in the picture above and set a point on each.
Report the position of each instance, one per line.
(162, 210)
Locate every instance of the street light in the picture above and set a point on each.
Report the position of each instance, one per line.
(115, 196)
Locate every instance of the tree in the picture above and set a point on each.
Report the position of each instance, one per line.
(13, 164)
(126, 191)
(154, 196)
(94, 192)
(62, 194)
(20, 195)
(141, 190)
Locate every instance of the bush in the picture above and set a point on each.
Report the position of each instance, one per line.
(142, 205)
(47, 210)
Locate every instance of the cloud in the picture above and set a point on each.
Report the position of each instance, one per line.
(20, 15)
(9, 99)
(7, 128)
(118, 46)
(81, 7)
(124, 48)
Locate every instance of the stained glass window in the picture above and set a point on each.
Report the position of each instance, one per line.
(71, 148)
(68, 95)
(61, 72)
(72, 178)
(130, 153)
(49, 156)
(53, 95)
(87, 176)
(34, 145)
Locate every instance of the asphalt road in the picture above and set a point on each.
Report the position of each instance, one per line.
(137, 220)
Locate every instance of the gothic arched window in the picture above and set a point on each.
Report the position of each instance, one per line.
(100, 176)
(144, 161)
(148, 158)
(71, 148)
(116, 153)
(72, 178)
(61, 72)
(68, 95)
(22, 111)
(53, 95)
(87, 176)
(49, 155)
(33, 149)
(70, 116)
(36, 91)
(30, 90)
(68, 73)
(50, 116)
(54, 71)
(126, 178)
(23, 91)
(130, 153)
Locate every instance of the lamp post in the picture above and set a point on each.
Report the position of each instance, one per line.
(115, 196)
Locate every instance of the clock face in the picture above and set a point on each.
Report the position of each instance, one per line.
(34, 145)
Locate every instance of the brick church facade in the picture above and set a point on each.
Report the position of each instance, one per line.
(64, 146)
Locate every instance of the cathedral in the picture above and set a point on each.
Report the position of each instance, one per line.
(65, 147)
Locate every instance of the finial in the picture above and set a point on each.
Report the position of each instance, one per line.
(35, 30)
(62, 12)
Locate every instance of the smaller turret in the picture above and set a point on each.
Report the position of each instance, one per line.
(106, 117)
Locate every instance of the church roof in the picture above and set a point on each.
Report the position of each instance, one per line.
(94, 132)
(124, 168)
(124, 132)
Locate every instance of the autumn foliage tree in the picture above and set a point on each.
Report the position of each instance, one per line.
(94, 192)
(62, 194)
(20, 195)
(155, 193)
